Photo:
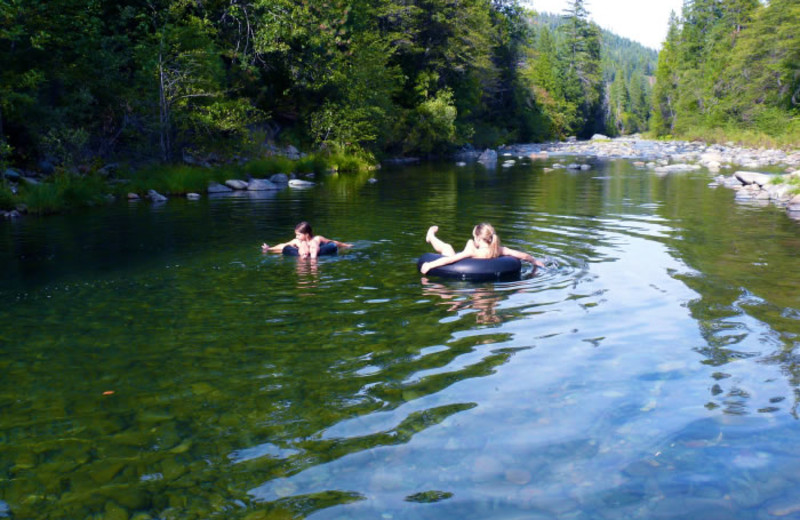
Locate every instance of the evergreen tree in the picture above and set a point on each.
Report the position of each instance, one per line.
(665, 91)
(582, 75)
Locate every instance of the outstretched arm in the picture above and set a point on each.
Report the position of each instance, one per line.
(324, 240)
(445, 260)
(525, 257)
(276, 248)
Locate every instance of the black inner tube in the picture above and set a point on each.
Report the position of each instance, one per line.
(475, 269)
(328, 248)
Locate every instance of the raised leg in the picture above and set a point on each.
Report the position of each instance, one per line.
(441, 247)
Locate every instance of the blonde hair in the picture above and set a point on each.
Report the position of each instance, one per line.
(485, 233)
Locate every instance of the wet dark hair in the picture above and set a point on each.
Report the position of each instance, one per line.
(304, 228)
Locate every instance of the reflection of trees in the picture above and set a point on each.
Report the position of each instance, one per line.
(746, 302)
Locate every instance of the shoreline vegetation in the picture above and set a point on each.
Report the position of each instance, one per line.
(219, 80)
(42, 193)
(760, 176)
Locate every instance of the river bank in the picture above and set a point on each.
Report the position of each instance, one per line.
(760, 177)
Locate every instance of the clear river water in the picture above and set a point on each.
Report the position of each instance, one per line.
(156, 365)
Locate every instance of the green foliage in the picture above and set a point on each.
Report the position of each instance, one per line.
(172, 180)
(7, 198)
(67, 146)
(355, 78)
(350, 162)
(64, 192)
(432, 124)
(730, 70)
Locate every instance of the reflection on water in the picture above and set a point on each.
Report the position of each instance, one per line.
(156, 365)
(482, 300)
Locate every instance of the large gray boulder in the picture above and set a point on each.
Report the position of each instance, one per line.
(155, 196)
(488, 158)
(236, 184)
(261, 185)
(758, 178)
(218, 188)
(279, 178)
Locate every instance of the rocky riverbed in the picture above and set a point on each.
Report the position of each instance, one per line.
(759, 176)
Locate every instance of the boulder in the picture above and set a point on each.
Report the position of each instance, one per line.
(488, 158)
(758, 178)
(299, 183)
(710, 158)
(218, 188)
(794, 203)
(778, 192)
(11, 175)
(193, 196)
(279, 178)
(236, 184)
(599, 137)
(673, 168)
(155, 196)
(290, 152)
(261, 185)
(133, 196)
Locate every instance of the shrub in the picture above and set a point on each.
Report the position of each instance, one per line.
(7, 198)
(174, 180)
(64, 191)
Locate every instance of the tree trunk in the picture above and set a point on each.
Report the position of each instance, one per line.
(164, 113)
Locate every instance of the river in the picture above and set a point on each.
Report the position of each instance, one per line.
(156, 365)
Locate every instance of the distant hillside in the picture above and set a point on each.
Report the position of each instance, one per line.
(618, 52)
(627, 69)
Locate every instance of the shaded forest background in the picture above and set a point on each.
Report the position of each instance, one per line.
(84, 82)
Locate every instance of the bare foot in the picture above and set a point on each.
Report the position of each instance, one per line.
(264, 247)
(431, 233)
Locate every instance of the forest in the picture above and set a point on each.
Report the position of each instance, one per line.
(730, 70)
(84, 83)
